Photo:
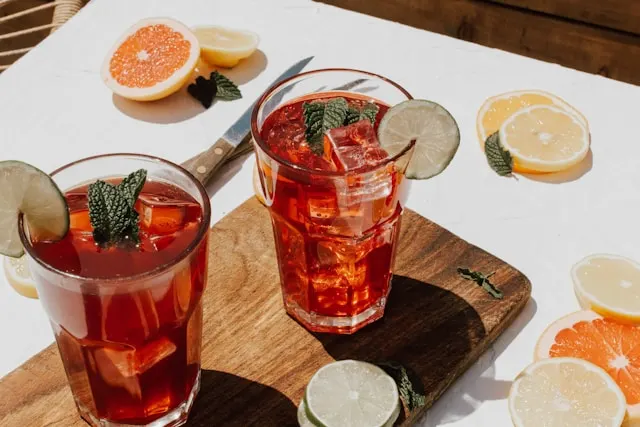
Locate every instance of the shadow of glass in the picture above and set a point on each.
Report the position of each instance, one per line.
(231, 405)
(429, 330)
(180, 106)
(571, 174)
(478, 383)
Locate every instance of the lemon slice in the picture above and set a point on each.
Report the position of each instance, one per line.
(566, 392)
(225, 47)
(609, 285)
(545, 138)
(19, 277)
(352, 393)
(432, 127)
(26, 189)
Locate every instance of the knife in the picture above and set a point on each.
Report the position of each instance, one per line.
(204, 165)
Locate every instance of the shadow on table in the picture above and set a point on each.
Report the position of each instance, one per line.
(427, 329)
(568, 175)
(478, 384)
(240, 402)
(181, 106)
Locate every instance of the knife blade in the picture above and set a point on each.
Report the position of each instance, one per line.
(204, 165)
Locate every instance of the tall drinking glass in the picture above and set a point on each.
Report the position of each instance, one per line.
(336, 205)
(128, 319)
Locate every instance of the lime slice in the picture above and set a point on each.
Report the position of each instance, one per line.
(350, 393)
(303, 418)
(19, 277)
(432, 127)
(26, 189)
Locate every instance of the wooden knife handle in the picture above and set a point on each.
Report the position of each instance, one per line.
(205, 164)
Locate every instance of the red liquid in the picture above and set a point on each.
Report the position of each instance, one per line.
(335, 236)
(131, 350)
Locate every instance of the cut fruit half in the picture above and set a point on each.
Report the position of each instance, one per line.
(152, 60)
(26, 189)
(565, 392)
(352, 393)
(545, 139)
(19, 277)
(225, 47)
(609, 285)
(612, 346)
(432, 127)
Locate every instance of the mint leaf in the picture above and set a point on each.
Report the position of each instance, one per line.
(353, 116)
(131, 185)
(111, 209)
(227, 90)
(499, 159)
(203, 90)
(321, 116)
(482, 281)
(411, 391)
(369, 111)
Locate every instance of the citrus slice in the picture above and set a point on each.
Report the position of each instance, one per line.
(26, 189)
(609, 285)
(151, 60)
(432, 127)
(225, 47)
(257, 185)
(613, 346)
(303, 418)
(352, 393)
(545, 139)
(565, 392)
(495, 110)
(17, 272)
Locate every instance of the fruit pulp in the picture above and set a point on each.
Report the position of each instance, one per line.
(131, 347)
(335, 232)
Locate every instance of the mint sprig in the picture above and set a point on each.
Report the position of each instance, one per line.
(111, 209)
(411, 391)
(481, 280)
(227, 90)
(368, 112)
(499, 159)
(319, 117)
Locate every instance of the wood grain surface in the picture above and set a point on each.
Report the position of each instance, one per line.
(550, 38)
(256, 360)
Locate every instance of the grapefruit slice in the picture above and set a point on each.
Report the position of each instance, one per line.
(612, 346)
(609, 285)
(152, 60)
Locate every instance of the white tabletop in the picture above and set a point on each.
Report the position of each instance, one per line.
(54, 108)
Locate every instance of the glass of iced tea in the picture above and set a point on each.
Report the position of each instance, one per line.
(336, 200)
(128, 319)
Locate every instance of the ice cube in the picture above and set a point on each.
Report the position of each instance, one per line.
(355, 146)
(162, 215)
(116, 363)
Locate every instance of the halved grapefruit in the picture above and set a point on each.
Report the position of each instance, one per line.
(152, 60)
(612, 346)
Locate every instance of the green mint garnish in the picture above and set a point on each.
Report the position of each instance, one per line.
(482, 281)
(216, 86)
(499, 159)
(111, 209)
(321, 116)
(369, 112)
(353, 115)
(411, 392)
(227, 90)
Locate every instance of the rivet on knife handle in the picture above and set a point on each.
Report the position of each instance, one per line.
(205, 164)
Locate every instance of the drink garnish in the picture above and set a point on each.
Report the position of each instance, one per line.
(482, 281)
(434, 130)
(111, 209)
(319, 117)
(27, 190)
(369, 111)
(411, 391)
(499, 159)
(217, 86)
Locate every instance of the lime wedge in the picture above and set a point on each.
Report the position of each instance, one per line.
(350, 393)
(432, 127)
(26, 189)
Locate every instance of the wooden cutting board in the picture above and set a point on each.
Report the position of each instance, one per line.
(256, 360)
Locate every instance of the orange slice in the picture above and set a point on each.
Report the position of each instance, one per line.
(612, 346)
(151, 60)
(497, 109)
